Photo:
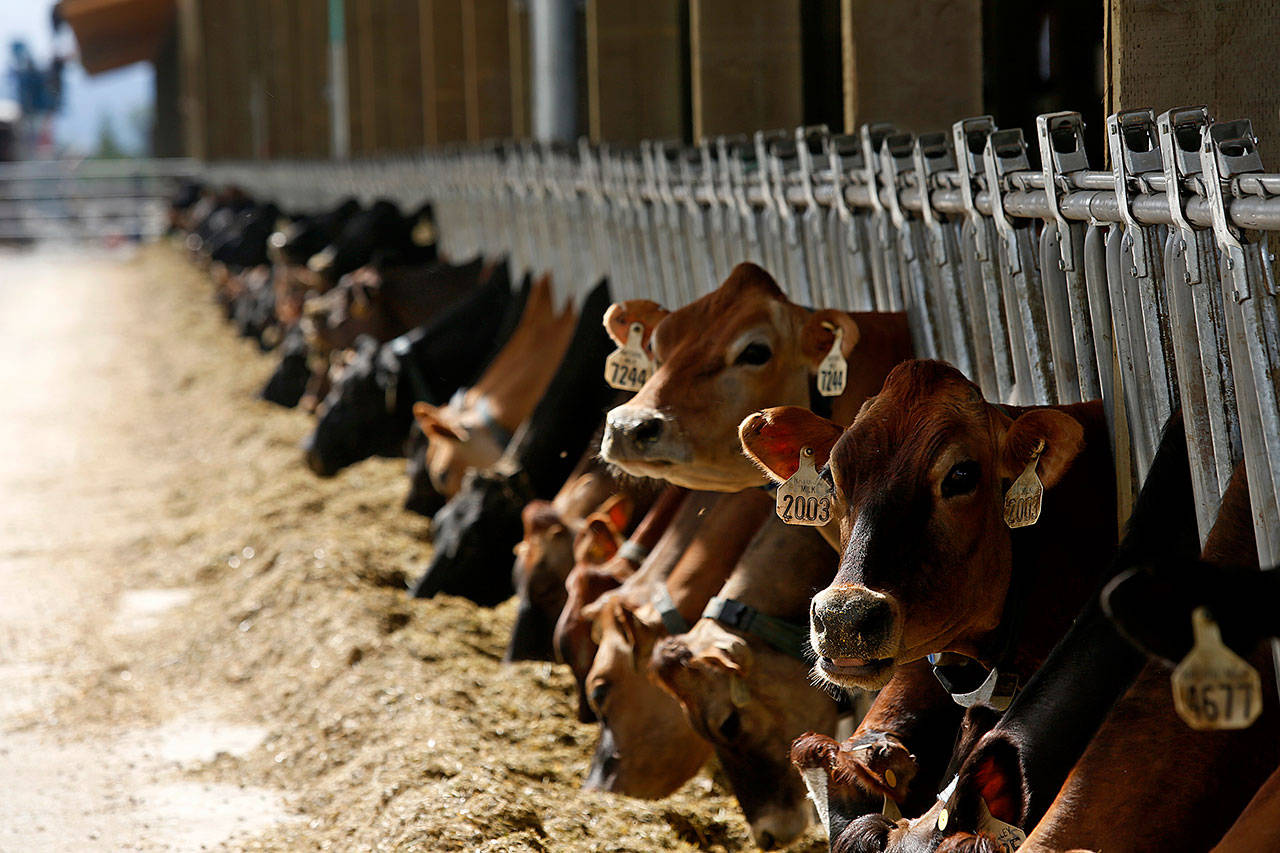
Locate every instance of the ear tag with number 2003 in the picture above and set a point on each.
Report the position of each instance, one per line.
(1022, 501)
(833, 371)
(629, 366)
(805, 498)
(1213, 687)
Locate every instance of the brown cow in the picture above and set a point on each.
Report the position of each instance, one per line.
(647, 747)
(472, 431)
(745, 686)
(928, 564)
(736, 350)
(657, 543)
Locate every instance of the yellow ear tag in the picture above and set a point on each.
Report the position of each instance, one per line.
(833, 371)
(424, 232)
(891, 809)
(805, 498)
(1008, 837)
(1213, 687)
(629, 366)
(1022, 501)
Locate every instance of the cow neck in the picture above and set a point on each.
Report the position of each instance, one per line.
(756, 586)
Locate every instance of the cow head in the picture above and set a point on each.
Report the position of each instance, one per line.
(749, 701)
(334, 319)
(920, 478)
(458, 440)
(584, 587)
(545, 557)
(646, 748)
(422, 497)
(736, 350)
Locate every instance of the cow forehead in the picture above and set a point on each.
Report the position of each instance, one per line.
(706, 330)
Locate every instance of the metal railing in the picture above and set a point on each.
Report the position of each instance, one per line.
(78, 200)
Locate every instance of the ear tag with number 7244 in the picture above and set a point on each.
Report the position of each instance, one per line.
(833, 371)
(805, 498)
(629, 366)
(1213, 687)
(1022, 501)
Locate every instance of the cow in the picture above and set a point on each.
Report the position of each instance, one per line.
(472, 430)
(741, 675)
(477, 529)
(646, 746)
(422, 497)
(379, 233)
(741, 348)
(657, 542)
(545, 555)
(370, 409)
(288, 383)
(1019, 765)
(928, 565)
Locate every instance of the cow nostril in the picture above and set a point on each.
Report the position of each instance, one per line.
(647, 431)
(766, 841)
(815, 620)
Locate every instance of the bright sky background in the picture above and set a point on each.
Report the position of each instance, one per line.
(86, 99)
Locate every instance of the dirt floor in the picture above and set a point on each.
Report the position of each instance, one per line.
(203, 646)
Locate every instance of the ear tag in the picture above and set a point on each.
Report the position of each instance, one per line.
(805, 498)
(833, 371)
(1213, 687)
(891, 809)
(738, 692)
(1022, 501)
(424, 232)
(1008, 837)
(629, 366)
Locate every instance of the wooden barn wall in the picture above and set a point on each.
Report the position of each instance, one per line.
(635, 70)
(1221, 53)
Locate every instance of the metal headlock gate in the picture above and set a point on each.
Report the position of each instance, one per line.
(77, 200)
(1150, 285)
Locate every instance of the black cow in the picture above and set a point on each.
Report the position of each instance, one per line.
(423, 497)
(287, 385)
(379, 234)
(476, 531)
(370, 409)
(310, 234)
(243, 243)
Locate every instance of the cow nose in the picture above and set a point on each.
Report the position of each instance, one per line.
(851, 622)
(633, 431)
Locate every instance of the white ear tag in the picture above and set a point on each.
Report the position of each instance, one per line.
(1023, 500)
(805, 498)
(424, 232)
(629, 366)
(1213, 687)
(833, 371)
(1008, 837)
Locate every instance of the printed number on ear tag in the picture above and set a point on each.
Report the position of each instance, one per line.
(1008, 837)
(1213, 687)
(833, 372)
(805, 498)
(629, 367)
(1022, 501)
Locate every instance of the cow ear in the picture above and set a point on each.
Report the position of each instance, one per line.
(596, 542)
(620, 315)
(618, 510)
(434, 424)
(1063, 438)
(730, 652)
(819, 334)
(774, 437)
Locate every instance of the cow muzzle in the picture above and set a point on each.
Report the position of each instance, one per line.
(634, 434)
(855, 633)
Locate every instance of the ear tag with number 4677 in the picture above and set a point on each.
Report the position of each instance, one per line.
(1023, 500)
(805, 498)
(833, 371)
(1213, 687)
(629, 366)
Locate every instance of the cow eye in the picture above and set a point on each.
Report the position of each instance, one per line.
(961, 479)
(732, 726)
(754, 354)
(598, 695)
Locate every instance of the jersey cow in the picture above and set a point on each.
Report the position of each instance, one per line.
(928, 564)
(741, 348)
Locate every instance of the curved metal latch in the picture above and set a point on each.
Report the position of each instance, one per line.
(1062, 153)
(895, 161)
(871, 136)
(1228, 149)
(1180, 130)
(932, 155)
(1006, 151)
(1135, 151)
(969, 138)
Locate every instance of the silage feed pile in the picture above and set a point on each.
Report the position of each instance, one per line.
(391, 723)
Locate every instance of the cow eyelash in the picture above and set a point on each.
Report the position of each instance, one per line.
(754, 354)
